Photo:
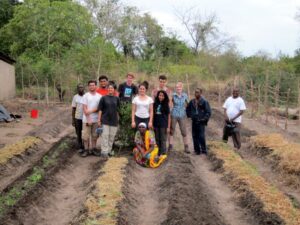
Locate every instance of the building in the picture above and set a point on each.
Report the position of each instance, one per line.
(7, 77)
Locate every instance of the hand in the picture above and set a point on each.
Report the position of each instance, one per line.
(150, 125)
(133, 125)
(168, 130)
(99, 123)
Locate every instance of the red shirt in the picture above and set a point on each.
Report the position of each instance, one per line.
(104, 91)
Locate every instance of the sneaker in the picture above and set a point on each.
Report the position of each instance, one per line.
(104, 156)
(84, 153)
(80, 151)
(170, 148)
(186, 149)
(96, 152)
(111, 154)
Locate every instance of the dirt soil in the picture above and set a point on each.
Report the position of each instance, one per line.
(252, 127)
(59, 199)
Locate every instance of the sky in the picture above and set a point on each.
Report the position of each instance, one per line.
(256, 25)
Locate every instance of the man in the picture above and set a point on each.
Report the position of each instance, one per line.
(178, 115)
(162, 86)
(234, 107)
(90, 118)
(77, 114)
(199, 111)
(103, 82)
(127, 90)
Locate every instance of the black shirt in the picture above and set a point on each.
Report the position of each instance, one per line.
(161, 116)
(127, 92)
(109, 105)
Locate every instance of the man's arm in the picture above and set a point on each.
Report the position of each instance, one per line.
(237, 115)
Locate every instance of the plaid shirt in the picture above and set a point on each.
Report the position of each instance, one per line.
(179, 105)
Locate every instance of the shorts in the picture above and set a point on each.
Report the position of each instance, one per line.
(182, 125)
(89, 131)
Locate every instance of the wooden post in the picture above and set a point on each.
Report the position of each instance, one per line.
(276, 93)
(259, 97)
(287, 109)
(188, 85)
(47, 92)
(266, 96)
(252, 99)
(298, 101)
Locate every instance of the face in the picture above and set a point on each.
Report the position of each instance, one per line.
(162, 83)
(235, 93)
(142, 90)
(92, 87)
(129, 79)
(111, 90)
(103, 83)
(80, 89)
(142, 129)
(179, 88)
(197, 94)
(161, 96)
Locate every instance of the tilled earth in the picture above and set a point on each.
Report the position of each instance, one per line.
(184, 190)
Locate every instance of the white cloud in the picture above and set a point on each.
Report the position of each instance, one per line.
(258, 24)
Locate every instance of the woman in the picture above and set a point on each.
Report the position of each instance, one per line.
(146, 151)
(178, 115)
(162, 120)
(142, 108)
(108, 117)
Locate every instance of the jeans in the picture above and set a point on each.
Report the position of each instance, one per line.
(161, 139)
(198, 133)
(78, 129)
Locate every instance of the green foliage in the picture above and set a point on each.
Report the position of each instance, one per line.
(126, 133)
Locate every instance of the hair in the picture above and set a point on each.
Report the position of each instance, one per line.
(103, 77)
(130, 74)
(145, 84)
(199, 89)
(162, 77)
(112, 83)
(164, 104)
(79, 85)
(92, 81)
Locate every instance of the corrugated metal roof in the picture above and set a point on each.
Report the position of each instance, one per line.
(6, 58)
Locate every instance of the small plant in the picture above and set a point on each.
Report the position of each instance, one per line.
(125, 134)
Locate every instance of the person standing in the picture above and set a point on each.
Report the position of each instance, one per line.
(178, 115)
(162, 86)
(90, 118)
(109, 106)
(127, 90)
(142, 108)
(234, 107)
(77, 114)
(103, 82)
(199, 111)
(162, 120)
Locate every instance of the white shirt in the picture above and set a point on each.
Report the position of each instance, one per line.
(142, 106)
(233, 106)
(92, 102)
(77, 103)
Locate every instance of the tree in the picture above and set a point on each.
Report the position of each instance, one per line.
(204, 32)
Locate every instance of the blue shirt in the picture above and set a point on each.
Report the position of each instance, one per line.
(179, 105)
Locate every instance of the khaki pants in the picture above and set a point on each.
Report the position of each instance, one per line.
(107, 138)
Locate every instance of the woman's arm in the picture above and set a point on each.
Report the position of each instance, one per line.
(151, 115)
(133, 109)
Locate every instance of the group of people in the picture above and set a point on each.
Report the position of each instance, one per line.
(153, 117)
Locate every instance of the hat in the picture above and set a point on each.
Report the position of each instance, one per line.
(142, 124)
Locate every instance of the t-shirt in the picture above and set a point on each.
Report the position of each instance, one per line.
(126, 92)
(102, 91)
(233, 106)
(77, 103)
(142, 106)
(109, 105)
(92, 102)
(160, 118)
